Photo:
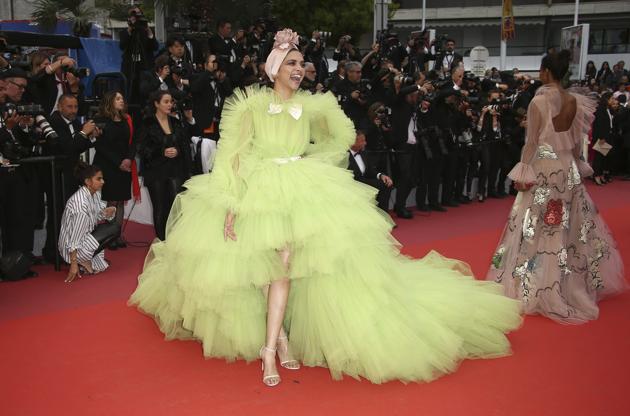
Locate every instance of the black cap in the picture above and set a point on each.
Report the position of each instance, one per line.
(13, 73)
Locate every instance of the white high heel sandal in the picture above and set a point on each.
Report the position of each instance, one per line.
(288, 364)
(273, 379)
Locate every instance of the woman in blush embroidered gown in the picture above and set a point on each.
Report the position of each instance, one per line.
(305, 265)
(556, 254)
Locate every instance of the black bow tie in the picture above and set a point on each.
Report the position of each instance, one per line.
(449, 53)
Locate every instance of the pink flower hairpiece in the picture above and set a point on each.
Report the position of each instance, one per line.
(286, 39)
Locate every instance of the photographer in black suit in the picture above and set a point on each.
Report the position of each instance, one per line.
(353, 94)
(156, 79)
(366, 173)
(430, 159)
(446, 59)
(74, 141)
(405, 129)
(209, 90)
(19, 184)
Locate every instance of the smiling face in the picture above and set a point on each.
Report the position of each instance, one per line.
(291, 71)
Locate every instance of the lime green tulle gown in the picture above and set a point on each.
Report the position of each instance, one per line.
(356, 306)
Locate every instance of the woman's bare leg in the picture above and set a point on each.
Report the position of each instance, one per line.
(277, 296)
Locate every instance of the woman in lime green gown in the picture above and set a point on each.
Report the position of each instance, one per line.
(280, 239)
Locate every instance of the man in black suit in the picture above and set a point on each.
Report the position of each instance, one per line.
(446, 60)
(352, 95)
(209, 90)
(366, 173)
(405, 126)
(74, 141)
(156, 79)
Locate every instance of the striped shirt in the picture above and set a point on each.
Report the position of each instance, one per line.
(82, 213)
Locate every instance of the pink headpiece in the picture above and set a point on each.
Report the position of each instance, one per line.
(285, 41)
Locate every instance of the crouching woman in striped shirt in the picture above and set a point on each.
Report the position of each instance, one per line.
(82, 239)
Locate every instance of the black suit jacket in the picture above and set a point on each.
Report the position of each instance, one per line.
(370, 170)
(402, 112)
(70, 145)
(439, 58)
(601, 125)
(149, 82)
(203, 97)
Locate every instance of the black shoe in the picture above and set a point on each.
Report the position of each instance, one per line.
(423, 208)
(121, 243)
(464, 200)
(438, 208)
(404, 213)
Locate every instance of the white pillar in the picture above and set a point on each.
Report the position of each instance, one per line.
(577, 12)
(503, 54)
(160, 26)
(424, 12)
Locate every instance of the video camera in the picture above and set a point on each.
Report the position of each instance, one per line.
(139, 21)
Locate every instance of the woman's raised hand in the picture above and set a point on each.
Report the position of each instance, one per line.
(228, 227)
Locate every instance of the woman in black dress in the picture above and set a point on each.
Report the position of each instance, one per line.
(164, 148)
(115, 152)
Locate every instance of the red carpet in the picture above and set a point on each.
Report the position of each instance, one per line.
(79, 350)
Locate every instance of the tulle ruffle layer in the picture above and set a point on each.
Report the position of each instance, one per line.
(356, 304)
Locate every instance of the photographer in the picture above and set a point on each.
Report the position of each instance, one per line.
(156, 79)
(430, 159)
(314, 52)
(445, 57)
(379, 137)
(138, 45)
(493, 150)
(19, 184)
(73, 141)
(367, 173)
(353, 93)
(345, 51)
(209, 90)
(392, 50)
(453, 122)
(178, 61)
(115, 153)
(59, 78)
(417, 52)
(309, 82)
(405, 129)
(224, 47)
(165, 152)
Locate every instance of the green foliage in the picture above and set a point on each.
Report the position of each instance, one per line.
(47, 12)
(353, 17)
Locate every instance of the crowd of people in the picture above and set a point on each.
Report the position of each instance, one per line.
(438, 129)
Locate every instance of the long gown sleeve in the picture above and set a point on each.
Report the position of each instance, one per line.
(583, 123)
(332, 132)
(237, 132)
(523, 171)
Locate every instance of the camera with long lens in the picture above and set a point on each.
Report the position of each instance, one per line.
(37, 112)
